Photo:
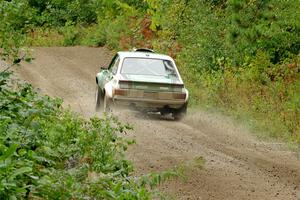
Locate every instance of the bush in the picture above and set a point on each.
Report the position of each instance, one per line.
(45, 37)
(262, 94)
(70, 33)
(47, 152)
(93, 36)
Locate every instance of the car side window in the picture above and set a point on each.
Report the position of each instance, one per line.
(113, 61)
(114, 67)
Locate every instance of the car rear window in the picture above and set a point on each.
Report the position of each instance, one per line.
(148, 66)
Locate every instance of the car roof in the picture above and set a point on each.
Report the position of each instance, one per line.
(139, 54)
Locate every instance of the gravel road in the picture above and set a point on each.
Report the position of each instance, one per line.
(238, 165)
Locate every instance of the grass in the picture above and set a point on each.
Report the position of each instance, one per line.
(267, 102)
(41, 37)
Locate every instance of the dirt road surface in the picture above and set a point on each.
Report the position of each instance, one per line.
(237, 165)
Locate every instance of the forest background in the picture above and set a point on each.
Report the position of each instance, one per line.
(239, 57)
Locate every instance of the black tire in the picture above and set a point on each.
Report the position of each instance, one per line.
(99, 99)
(179, 113)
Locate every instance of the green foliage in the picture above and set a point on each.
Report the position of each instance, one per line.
(262, 94)
(59, 12)
(94, 36)
(270, 26)
(70, 34)
(54, 24)
(45, 37)
(213, 30)
(156, 179)
(15, 18)
(50, 153)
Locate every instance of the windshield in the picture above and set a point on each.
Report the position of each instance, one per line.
(147, 66)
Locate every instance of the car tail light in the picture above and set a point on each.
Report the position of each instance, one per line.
(180, 95)
(120, 92)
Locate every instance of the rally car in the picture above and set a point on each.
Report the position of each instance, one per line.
(144, 80)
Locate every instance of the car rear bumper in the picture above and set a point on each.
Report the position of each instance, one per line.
(151, 103)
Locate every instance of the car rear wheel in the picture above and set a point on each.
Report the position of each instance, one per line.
(99, 98)
(179, 113)
(107, 104)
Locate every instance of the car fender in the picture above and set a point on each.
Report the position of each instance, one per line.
(100, 79)
(103, 77)
(97, 79)
(187, 95)
(109, 87)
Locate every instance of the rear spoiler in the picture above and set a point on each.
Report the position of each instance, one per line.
(166, 84)
(143, 50)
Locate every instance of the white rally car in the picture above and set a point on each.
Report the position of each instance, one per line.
(144, 80)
